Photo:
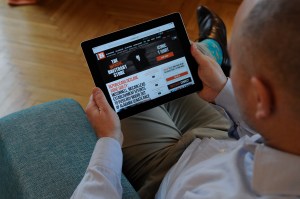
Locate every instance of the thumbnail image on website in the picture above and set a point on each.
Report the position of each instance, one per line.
(143, 66)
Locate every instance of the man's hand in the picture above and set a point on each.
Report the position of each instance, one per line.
(103, 118)
(210, 73)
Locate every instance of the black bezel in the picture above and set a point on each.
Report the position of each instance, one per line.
(181, 32)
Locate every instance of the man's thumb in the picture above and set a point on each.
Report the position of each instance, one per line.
(199, 56)
(100, 99)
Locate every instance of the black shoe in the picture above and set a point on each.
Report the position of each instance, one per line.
(212, 27)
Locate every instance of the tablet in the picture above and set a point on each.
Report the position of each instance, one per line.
(143, 66)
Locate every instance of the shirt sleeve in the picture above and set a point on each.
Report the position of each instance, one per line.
(103, 175)
(226, 99)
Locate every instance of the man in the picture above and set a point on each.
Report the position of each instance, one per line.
(264, 74)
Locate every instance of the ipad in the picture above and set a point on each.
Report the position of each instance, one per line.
(143, 66)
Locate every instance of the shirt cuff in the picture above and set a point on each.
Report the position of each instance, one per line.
(226, 99)
(108, 154)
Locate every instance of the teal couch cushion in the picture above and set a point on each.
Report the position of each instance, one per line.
(45, 150)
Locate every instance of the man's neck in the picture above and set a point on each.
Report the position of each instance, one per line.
(283, 137)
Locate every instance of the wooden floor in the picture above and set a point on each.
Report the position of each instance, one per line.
(40, 54)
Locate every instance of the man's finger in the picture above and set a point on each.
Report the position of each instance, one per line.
(100, 99)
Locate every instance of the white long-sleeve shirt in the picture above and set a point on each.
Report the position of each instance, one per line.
(103, 175)
(207, 169)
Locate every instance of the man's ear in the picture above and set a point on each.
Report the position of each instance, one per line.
(263, 97)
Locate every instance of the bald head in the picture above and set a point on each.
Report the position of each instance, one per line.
(264, 52)
(244, 11)
(267, 34)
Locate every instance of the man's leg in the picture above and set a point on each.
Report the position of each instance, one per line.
(194, 116)
(152, 144)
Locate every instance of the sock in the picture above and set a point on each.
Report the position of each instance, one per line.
(212, 49)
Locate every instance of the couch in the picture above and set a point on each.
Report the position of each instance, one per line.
(45, 150)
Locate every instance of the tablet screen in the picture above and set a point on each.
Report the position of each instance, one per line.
(143, 66)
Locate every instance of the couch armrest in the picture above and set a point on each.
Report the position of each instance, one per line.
(45, 150)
